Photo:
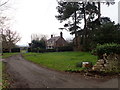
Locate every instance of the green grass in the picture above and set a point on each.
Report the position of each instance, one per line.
(0, 74)
(60, 60)
(3, 76)
(23, 51)
(6, 55)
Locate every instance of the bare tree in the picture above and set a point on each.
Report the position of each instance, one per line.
(9, 39)
(4, 22)
(4, 25)
(38, 37)
(4, 4)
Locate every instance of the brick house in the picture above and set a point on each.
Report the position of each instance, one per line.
(55, 42)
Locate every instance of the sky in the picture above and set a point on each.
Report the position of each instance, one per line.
(38, 17)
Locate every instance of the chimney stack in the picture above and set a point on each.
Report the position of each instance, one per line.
(51, 36)
(61, 34)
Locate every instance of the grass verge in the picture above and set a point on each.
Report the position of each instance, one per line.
(6, 55)
(61, 60)
(4, 82)
(0, 75)
(5, 77)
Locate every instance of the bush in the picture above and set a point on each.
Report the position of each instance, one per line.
(29, 49)
(64, 48)
(5, 50)
(36, 50)
(79, 64)
(40, 50)
(50, 50)
(106, 48)
(13, 50)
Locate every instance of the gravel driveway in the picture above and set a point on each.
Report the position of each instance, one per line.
(29, 75)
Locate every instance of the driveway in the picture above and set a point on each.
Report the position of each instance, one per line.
(26, 74)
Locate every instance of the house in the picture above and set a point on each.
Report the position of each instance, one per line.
(55, 42)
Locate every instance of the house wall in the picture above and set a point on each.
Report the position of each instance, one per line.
(60, 42)
(77, 47)
(50, 45)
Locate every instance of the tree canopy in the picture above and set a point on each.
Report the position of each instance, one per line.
(74, 12)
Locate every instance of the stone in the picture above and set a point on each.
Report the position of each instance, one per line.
(100, 60)
(95, 68)
(105, 65)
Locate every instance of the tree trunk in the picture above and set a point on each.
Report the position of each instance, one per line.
(85, 27)
(75, 32)
(99, 11)
(76, 42)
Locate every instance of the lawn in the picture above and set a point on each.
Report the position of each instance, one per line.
(60, 60)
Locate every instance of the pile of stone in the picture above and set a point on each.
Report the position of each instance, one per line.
(100, 65)
(110, 62)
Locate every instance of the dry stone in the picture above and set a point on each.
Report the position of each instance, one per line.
(110, 63)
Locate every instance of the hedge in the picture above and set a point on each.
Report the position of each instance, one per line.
(109, 48)
(15, 50)
(5, 50)
(58, 49)
(65, 48)
(29, 49)
(38, 50)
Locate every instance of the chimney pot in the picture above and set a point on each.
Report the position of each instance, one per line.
(51, 36)
(61, 34)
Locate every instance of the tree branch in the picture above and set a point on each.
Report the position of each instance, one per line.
(4, 3)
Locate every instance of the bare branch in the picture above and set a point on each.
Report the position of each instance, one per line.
(9, 38)
(4, 3)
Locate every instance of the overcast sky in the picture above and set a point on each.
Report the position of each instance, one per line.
(38, 16)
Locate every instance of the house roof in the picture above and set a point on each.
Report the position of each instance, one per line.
(54, 38)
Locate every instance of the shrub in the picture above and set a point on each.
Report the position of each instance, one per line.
(29, 49)
(64, 48)
(50, 50)
(5, 50)
(79, 64)
(106, 48)
(15, 50)
(41, 50)
(34, 50)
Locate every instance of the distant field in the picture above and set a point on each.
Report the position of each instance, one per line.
(60, 60)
